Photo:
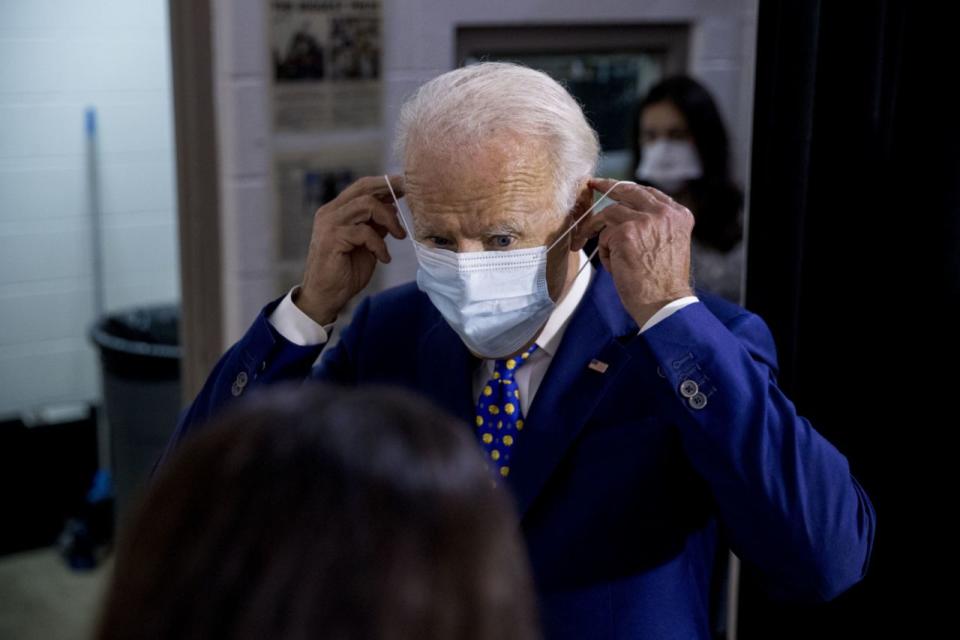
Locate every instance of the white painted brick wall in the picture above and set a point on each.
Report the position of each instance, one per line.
(248, 235)
(56, 59)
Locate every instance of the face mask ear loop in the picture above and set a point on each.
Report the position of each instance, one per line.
(399, 210)
(586, 213)
(587, 263)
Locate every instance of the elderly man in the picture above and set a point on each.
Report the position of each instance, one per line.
(636, 422)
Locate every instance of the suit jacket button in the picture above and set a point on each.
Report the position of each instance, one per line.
(241, 379)
(689, 388)
(236, 389)
(698, 400)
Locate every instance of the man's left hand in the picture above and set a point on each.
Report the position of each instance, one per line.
(644, 244)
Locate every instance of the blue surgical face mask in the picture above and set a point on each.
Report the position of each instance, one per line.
(496, 301)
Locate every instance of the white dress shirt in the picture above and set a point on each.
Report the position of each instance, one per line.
(297, 327)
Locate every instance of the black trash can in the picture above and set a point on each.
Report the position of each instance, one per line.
(140, 357)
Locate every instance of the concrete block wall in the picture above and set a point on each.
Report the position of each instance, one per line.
(248, 234)
(57, 59)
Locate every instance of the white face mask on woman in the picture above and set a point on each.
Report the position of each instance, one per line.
(669, 163)
(496, 301)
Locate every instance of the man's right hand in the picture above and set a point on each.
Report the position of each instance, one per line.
(345, 245)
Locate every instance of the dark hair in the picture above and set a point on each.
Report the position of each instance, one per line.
(323, 512)
(717, 200)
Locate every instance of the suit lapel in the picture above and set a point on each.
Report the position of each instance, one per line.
(446, 371)
(571, 389)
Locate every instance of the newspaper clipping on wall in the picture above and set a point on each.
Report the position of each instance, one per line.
(305, 182)
(326, 64)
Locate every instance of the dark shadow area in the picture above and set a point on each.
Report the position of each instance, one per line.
(853, 260)
(45, 473)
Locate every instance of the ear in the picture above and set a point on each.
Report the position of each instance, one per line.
(583, 201)
(580, 206)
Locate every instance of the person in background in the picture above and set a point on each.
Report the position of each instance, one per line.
(321, 512)
(681, 147)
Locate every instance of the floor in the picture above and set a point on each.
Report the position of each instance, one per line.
(42, 599)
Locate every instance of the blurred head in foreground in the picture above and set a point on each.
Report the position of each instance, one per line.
(319, 512)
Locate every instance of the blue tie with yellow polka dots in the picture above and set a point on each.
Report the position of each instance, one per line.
(499, 418)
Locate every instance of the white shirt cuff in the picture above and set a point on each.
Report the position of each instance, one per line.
(296, 326)
(668, 310)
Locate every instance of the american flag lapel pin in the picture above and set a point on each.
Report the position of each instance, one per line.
(598, 366)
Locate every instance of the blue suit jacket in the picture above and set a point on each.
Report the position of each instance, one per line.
(623, 487)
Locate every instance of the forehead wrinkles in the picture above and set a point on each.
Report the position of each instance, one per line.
(499, 180)
(514, 207)
(515, 194)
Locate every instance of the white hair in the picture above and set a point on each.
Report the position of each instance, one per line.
(462, 109)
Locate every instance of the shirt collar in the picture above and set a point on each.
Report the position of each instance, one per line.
(549, 339)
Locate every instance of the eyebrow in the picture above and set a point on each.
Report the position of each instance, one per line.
(504, 229)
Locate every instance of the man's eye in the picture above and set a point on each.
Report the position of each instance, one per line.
(438, 241)
(501, 242)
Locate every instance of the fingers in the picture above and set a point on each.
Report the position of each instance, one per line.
(611, 216)
(610, 241)
(659, 195)
(362, 235)
(634, 202)
(631, 193)
(367, 209)
(603, 247)
(374, 186)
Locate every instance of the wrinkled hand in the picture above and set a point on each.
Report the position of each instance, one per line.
(644, 244)
(345, 245)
